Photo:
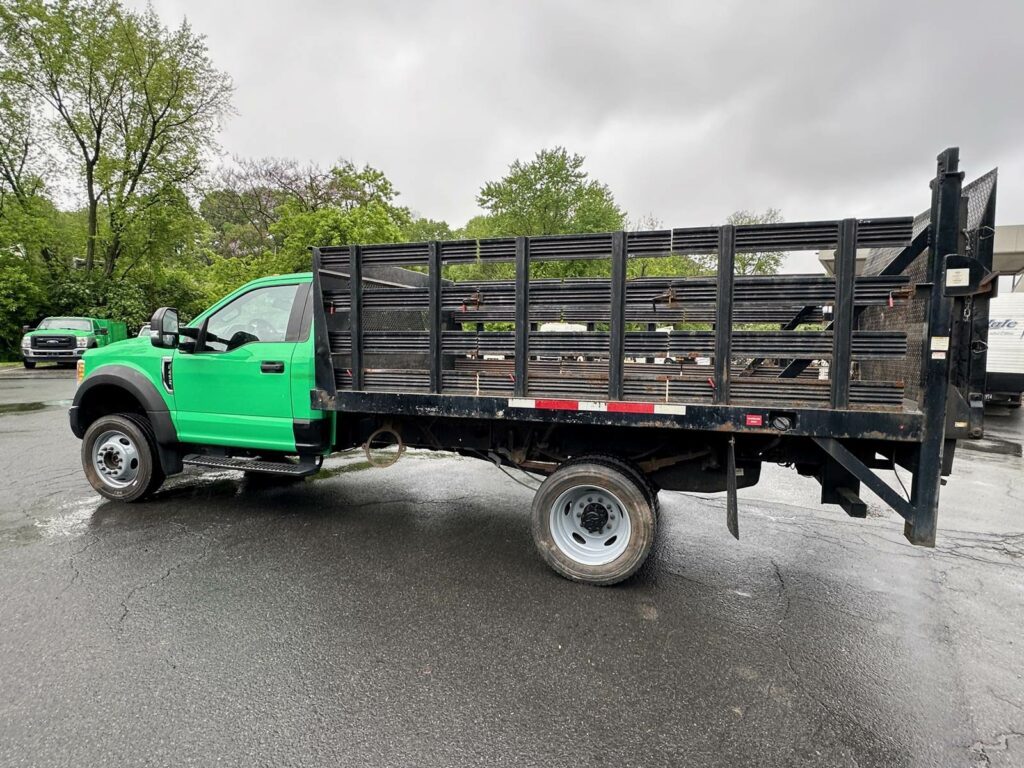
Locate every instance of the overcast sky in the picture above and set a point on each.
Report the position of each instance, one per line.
(688, 111)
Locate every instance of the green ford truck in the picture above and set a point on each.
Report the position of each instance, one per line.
(63, 340)
(604, 390)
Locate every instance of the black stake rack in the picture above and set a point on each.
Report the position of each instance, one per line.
(844, 357)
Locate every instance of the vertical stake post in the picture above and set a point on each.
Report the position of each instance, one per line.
(436, 361)
(842, 314)
(355, 322)
(522, 315)
(723, 312)
(617, 340)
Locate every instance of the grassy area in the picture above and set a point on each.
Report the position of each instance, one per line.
(11, 364)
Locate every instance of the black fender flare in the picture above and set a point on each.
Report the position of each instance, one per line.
(136, 384)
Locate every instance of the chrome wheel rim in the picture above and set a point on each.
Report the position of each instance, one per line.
(115, 458)
(589, 525)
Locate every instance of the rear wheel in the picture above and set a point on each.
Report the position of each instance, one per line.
(120, 459)
(593, 521)
(30, 364)
(628, 467)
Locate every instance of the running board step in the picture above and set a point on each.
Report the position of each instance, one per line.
(303, 469)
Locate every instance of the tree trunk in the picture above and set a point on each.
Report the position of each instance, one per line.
(110, 258)
(92, 224)
(92, 227)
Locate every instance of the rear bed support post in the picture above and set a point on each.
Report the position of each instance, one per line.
(617, 340)
(945, 220)
(434, 270)
(355, 320)
(723, 312)
(842, 324)
(522, 315)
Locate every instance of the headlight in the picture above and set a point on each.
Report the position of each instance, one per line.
(25, 343)
(83, 342)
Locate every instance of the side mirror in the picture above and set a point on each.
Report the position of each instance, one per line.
(26, 328)
(102, 332)
(163, 328)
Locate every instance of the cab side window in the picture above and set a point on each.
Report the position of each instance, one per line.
(259, 315)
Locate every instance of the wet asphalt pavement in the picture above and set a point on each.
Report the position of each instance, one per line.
(400, 617)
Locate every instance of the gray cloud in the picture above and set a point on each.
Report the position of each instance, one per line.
(688, 111)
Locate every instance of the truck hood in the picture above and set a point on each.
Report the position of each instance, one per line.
(59, 332)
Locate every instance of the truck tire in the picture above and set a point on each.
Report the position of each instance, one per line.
(631, 469)
(30, 364)
(593, 521)
(120, 459)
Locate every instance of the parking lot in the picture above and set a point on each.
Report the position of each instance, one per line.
(401, 617)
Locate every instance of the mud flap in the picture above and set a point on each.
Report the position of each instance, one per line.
(732, 520)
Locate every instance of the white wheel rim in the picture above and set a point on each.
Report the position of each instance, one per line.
(116, 459)
(589, 525)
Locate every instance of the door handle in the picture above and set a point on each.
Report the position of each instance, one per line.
(271, 366)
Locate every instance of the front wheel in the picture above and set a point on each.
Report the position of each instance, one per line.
(119, 457)
(29, 364)
(593, 522)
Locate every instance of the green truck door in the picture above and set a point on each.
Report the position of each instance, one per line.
(238, 391)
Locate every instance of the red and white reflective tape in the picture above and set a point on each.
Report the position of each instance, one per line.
(590, 405)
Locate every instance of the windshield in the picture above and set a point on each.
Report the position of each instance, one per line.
(65, 324)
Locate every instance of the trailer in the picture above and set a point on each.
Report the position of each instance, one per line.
(611, 387)
(1004, 378)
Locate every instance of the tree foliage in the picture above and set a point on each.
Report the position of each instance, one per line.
(549, 195)
(757, 263)
(135, 105)
(282, 208)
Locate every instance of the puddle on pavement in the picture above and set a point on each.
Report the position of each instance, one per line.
(68, 521)
(7, 408)
(356, 461)
(71, 520)
(994, 445)
(328, 472)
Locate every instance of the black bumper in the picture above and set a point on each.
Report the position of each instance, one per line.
(56, 356)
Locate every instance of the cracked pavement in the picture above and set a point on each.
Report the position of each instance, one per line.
(372, 617)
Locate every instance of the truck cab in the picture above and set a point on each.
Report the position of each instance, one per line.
(237, 377)
(64, 340)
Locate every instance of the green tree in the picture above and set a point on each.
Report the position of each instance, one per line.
(760, 262)
(136, 105)
(298, 230)
(420, 229)
(18, 150)
(549, 195)
(281, 207)
(757, 263)
(21, 298)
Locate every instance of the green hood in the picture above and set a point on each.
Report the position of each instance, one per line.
(59, 332)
